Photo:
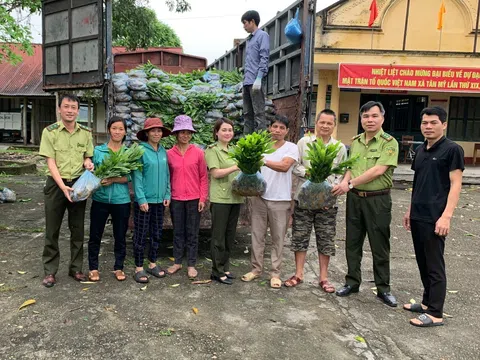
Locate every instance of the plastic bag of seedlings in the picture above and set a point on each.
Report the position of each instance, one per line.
(214, 114)
(2, 198)
(201, 88)
(159, 74)
(153, 81)
(8, 195)
(140, 95)
(137, 74)
(124, 116)
(122, 97)
(230, 108)
(120, 77)
(137, 84)
(249, 184)
(138, 120)
(135, 107)
(316, 196)
(120, 86)
(84, 186)
(121, 109)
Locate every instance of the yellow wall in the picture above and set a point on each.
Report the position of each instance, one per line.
(349, 104)
(422, 33)
(345, 30)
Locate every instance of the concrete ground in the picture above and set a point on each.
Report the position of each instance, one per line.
(113, 320)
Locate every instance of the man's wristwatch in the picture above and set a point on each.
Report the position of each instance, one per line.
(350, 186)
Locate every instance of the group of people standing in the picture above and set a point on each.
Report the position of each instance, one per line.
(183, 177)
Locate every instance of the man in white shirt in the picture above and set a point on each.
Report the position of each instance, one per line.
(323, 221)
(273, 208)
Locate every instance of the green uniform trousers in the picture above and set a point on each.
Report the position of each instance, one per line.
(55, 205)
(224, 229)
(372, 216)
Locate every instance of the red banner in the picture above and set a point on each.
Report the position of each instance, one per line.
(418, 78)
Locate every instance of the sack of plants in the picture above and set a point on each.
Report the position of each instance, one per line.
(248, 153)
(249, 184)
(316, 192)
(86, 184)
(314, 196)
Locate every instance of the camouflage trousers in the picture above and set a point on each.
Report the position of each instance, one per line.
(323, 221)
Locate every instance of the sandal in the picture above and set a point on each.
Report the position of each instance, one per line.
(425, 321)
(119, 275)
(141, 277)
(230, 275)
(327, 286)
(293, 281)
(94, 275)
(192, 273)
(157, 272)
(173, 269)
(250, 276)
(275, 283)
(416, 308)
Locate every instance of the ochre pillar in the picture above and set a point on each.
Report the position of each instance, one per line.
(335, 98)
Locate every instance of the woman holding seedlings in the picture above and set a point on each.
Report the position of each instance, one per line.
(225, 205)
(113, 198)
(152, 195)
(189, 182)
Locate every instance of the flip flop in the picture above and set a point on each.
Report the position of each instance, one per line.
(327, 286)
(174, 268)
(139, 275)
(192, 273)
(293, 281)
(157, 272)
(249, 276)
(415, 308)
(119, 275)
(426, 321)
(94, 275)
(275, 283)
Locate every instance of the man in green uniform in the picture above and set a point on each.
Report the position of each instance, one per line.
(369, 204)
(67, 147)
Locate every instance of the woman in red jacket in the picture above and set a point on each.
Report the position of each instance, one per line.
(189, 186)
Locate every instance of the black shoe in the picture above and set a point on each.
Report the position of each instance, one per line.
(347, 290)
(230, 275)
(388, 299)
(227, 281)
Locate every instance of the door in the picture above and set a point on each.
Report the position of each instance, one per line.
(402, 113)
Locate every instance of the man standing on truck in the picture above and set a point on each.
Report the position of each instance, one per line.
(255, 70)
(67, 147)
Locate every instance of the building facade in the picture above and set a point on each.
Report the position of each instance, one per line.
(403, 60)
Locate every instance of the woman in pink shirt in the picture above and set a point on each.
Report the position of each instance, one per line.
(189, 185)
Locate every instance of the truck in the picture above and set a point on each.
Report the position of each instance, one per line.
(10, 126)
(290, 69)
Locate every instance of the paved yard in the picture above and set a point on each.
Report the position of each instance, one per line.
(111, 320)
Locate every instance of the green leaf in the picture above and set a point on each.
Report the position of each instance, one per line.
(360, 339)
(250, 150)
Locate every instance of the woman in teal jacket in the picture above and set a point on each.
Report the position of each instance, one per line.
(113, 198)
(152, 195)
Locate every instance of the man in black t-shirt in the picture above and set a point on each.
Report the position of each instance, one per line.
(437, 183)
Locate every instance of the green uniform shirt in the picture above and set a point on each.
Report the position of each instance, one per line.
(221, 189)
(68, 149)
(381, 150)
